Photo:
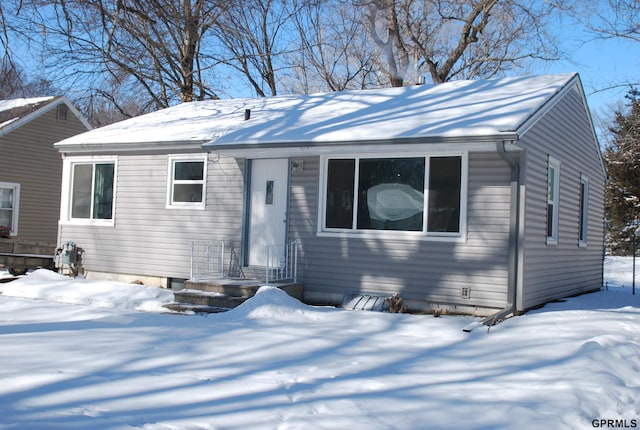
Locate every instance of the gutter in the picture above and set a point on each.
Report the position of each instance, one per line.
(514, 229)
(290, 148)
(116, 148)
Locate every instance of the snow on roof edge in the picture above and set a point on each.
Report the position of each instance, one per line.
(24, 114)
(7, 104)
(53, 101)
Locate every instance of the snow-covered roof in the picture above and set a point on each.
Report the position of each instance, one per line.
(22, 102)
(14, 109)
(14, 113)
(454, 109)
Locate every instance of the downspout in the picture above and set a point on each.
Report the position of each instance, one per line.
(244, 235)
(514, 229)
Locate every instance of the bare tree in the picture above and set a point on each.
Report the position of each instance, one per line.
(255, 36)
(126, 57)
(453, 39)
(606, 20)
(333, 53)
(11, 80)
(110, 102)
(14, 83)
(150, 47)
(618, 19)
(4, 40)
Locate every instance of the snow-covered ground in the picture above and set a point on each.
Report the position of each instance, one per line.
(77, 354)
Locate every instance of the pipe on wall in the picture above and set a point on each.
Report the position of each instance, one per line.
(514, 229)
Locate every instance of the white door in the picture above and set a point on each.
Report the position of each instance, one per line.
(268, 213)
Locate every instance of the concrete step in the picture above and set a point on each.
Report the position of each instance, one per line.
(219, 295)
(203, 298)
(184, 307)
(230, 287)
(241, 287)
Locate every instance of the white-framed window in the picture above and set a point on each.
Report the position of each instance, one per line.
(90, 192)
(423, 195)
(553, 197)
(583, 216)
(9, 206)
(187, 182)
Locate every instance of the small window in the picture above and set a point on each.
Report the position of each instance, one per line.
(553, 191)
(92, 190)
(187, 183)
(61, 112)
(9, 202)
(584, 211)
(268, 199)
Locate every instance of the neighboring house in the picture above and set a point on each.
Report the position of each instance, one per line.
(30, 167)
(468, 196)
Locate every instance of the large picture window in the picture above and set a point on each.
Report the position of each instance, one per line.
(9, 202)
(187, 182)
(414, 194)
(92, 191)
(391, 194)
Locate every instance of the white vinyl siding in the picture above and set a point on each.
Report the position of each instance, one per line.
(9, 206)
(436, 271)
(149, 239)
(552, 272)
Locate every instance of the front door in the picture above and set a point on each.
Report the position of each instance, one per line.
(268, 207)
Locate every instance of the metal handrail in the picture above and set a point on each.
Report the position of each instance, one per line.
(282, 262)
(207, 259)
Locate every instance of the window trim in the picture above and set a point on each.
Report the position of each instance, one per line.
(459, 236)
(583, 208)
(553, 238)
(67, 190)
(62, 112)
(16, 206)
(171, 162)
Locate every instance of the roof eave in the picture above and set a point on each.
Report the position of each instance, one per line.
(574, 82)
(545, 107)
(111, 148)
(41, 111)
(19, 122)
(432, 143)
